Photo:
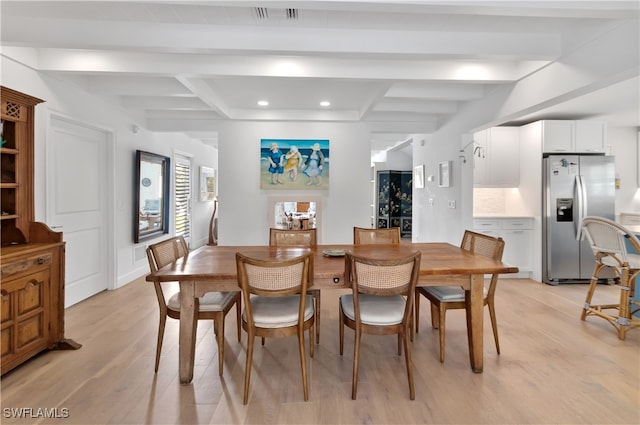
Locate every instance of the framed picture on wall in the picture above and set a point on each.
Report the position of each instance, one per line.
(418, 176)
(444, 173)
(294, 164)
(207, 184)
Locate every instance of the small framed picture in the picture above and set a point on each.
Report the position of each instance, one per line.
(444, 173)
(207, 184)
(418, 176)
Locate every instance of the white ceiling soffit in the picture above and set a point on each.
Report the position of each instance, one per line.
(403, 67)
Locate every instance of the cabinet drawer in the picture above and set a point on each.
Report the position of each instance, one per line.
(26, 264)
(481, 224)
(517, 223)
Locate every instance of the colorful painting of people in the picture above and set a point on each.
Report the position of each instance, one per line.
(284, 160)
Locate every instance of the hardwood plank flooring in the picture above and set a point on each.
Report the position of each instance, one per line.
(553, 368)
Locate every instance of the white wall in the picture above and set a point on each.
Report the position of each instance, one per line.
(624, 145)
(243, 206)
(74, 102)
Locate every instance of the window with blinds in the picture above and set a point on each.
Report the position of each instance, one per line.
(183, 197)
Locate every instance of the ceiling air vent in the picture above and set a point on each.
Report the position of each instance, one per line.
(262, 13)
(292, 14)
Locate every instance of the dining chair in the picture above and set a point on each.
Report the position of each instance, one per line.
(380, 303)
(306, 237)
(362, 235)
(608, 241)
(443, 298)
(276, 304)
(211, 306)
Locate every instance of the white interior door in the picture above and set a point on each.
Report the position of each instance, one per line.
(77, 204)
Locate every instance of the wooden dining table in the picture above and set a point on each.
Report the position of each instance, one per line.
(213, 268)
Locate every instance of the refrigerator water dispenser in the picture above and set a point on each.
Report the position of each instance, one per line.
(564, 209)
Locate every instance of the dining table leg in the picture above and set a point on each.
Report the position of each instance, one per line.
(187, 337)
(474, 302)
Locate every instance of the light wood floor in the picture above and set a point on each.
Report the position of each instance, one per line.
(553, 368)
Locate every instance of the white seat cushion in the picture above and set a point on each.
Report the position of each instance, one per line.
(634, 261)
(375, 310)
(449, 293)
(278, 312)
(211, 301)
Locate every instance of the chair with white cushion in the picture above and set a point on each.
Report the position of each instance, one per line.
(303, 237)
(276, 304)
(366, 236)
(380, 303)
(608, 241)
(212, 306)
(443, 298)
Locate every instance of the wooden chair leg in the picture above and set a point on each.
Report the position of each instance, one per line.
(341, 324)
(311, 344)
(239, 318)
(494, 323)
(218, 324)
(416, 306)
(411, 323)
(316, 297)
(303, 361)
(441, 328)
(407, 356)
(624, 317)
(356, 361)
(248, 365)
(161, 326)
(399, 344)
(435, 315)
(590, 291)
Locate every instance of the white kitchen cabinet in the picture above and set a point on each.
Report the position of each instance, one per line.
(557, 135)
(590, 136)
(569, 136)
(517, 233)
(496, 159)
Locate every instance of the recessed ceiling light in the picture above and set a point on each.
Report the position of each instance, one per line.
(263, 103)
(325, 103)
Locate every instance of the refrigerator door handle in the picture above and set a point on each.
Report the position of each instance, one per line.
(581, 199)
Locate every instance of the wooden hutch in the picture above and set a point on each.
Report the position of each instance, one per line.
(32, 256)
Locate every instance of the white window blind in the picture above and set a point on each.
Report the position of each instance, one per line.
(183, 198)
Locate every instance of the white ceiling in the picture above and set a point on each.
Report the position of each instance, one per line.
(403, 67)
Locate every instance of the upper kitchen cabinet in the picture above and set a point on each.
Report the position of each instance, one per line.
(567, 136)
(496, 157)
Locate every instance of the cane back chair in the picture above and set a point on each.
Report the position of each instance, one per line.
(276, 304)
(608, 241)
(305, 237)
(380, 303)
(443, 298)
(362, 235)
(212, 306)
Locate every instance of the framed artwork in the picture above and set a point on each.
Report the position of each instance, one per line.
(207, 184)
(444, 173)
(418, 176)
(294, 164)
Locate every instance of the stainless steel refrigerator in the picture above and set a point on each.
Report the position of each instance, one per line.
(575, 186)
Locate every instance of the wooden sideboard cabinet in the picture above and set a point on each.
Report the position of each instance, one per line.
(32, 301)
(32, 256)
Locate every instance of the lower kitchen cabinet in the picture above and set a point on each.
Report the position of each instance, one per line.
(517, 233)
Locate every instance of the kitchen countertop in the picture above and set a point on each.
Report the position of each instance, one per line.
(635, 228)
(501, 216)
